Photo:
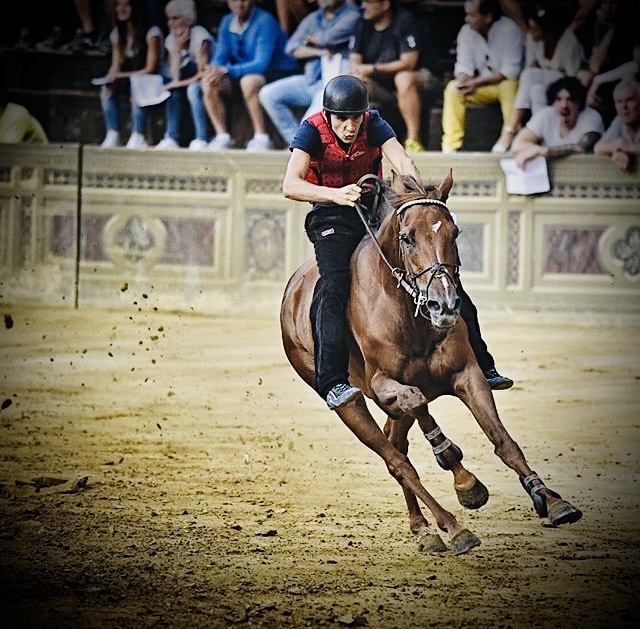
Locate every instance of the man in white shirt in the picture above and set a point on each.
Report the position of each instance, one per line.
(489, 59)
(622, 139)
(565, 127)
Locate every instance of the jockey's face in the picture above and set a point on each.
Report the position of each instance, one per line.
(346, 127)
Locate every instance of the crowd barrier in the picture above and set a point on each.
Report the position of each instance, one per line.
(211, 232)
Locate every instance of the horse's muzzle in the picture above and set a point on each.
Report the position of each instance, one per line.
(443, 313)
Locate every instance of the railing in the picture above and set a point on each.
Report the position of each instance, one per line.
(212, 233)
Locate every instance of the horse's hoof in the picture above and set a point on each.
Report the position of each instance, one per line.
(463, 542)
(475, 497)
(563, 512)
(431, 543)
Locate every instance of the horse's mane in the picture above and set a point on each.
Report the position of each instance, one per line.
(390, 199)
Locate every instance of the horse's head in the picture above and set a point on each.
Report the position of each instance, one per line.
(427, 235)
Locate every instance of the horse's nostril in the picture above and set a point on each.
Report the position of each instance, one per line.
(434, 306)
(456, 304)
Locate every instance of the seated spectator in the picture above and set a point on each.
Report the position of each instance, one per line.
(621, 140)
(249, 54)
(611, 57)
(17, 125)
(385, 53)
(136, 47)
(566, 126)
(489, 58)
(552, 50)
(189, 46)
(323, 33)
(290, 13)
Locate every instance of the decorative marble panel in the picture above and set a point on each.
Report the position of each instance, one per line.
(265, 245)
(572, 250)
(264, 186)
(149, 181)
(471, 247)
(513, 247)
(132, 241)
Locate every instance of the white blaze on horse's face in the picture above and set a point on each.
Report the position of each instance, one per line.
(436, 227)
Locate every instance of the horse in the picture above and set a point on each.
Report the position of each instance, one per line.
(409, 346)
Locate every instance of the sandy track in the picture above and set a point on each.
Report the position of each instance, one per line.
(220, 492)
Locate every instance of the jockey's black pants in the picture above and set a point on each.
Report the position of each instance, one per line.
(335, 232)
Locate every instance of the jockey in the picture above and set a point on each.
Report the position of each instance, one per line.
(331, 150)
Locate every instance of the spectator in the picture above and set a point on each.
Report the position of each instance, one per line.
(552, 50)
(488, 62)
(17, 125)
(323, 33)
(290, 13)
(189, 46)
(250, 53)
(622, 139)
(566, 126)
(612, 53)
(136, 47)
(87, 39)
(386, 55)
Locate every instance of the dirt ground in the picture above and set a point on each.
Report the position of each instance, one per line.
(206, 486)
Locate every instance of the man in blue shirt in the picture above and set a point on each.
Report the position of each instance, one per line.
(250, 52)
(321, 35)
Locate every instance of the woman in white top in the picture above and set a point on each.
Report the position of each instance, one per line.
(189, 46)
(136, 46)
(552, 51)
(566, 126)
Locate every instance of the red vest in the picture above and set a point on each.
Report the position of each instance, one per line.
(336, 168)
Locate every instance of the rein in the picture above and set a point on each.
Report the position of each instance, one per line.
(436, 269)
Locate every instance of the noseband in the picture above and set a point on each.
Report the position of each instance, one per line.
(436, 270)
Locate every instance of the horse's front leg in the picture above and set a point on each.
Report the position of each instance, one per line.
(471, 387)
(401, 400)
(357, 418)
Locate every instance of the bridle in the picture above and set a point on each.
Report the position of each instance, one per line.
(437, 269)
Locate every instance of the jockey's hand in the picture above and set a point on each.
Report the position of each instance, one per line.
(347, 195)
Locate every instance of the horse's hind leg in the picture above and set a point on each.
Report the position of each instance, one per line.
(357, 418)
(429, 541)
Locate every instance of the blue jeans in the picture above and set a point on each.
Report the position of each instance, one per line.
(109, 101)
(173, 106)
(278, 99)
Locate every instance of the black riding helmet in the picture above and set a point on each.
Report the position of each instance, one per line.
(345, 95)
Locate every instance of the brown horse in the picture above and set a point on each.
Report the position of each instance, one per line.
(410, 346)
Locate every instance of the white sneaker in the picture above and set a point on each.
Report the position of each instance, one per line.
(259, 142)
(137, 141)
(220, 142)
(198, 145)
(167, 144)
(111, 141)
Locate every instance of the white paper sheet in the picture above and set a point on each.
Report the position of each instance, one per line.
(148, 89)
(532, 179)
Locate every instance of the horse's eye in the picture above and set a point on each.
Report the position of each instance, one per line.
(406, 239)
(456, 233)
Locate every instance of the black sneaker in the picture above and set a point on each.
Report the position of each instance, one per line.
(84, 44)
(496, 381)
(340, 394)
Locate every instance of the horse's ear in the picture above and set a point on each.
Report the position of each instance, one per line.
(397, 182)
(445, 186)
(402, 184)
